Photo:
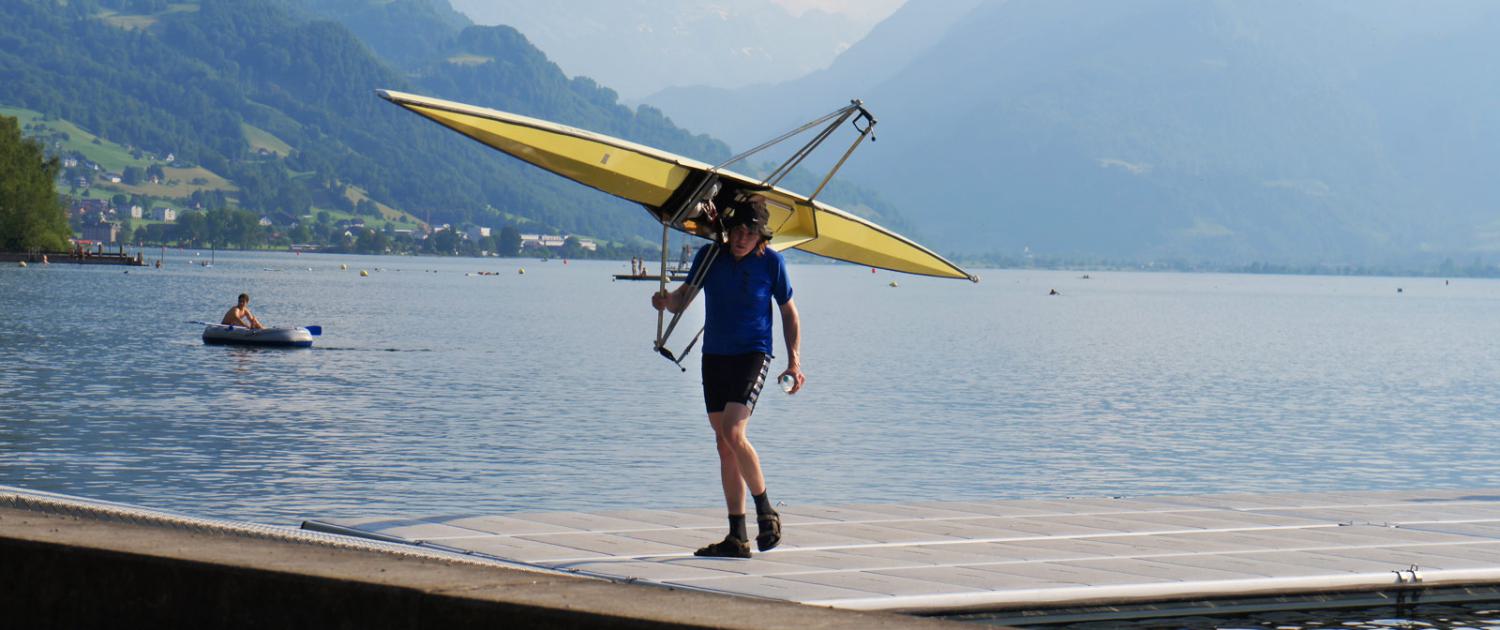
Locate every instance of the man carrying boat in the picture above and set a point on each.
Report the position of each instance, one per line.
(240, 314)
(736, 358)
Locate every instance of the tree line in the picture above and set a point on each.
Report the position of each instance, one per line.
(32, 217)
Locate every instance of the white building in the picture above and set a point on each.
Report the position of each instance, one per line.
(137, 212)
(553, 241)
(164, 214)
(475, 233)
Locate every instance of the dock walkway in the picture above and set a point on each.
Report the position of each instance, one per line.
(997, 555)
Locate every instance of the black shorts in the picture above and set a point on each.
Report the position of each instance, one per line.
(733, 378)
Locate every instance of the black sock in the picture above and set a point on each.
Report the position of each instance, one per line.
(762, 504)
(737, 527)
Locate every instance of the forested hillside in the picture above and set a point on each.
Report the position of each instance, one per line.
(188, 80)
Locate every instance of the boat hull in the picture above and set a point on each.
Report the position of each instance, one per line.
(270, 337)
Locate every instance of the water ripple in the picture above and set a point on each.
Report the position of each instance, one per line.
(434, 392)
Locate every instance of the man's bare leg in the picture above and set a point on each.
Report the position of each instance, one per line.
(729, 431)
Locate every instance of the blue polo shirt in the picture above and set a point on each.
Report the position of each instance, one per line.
(738, 293)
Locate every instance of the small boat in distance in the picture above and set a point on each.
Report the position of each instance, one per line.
(675, 273)
(286, 337)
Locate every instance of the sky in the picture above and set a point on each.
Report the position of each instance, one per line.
(864, 10)
(639, 47)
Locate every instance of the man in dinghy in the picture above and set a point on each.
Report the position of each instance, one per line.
(240, 315)
(736, 359)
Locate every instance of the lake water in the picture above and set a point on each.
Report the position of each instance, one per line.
(433, 391)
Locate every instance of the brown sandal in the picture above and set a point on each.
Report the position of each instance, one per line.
(730, 547)
(770, 531)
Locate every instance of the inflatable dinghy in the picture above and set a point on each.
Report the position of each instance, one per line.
(293, 337)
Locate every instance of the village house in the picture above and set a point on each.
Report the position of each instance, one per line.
(164, 214)
(90, 208)
(101, 232)
(541, 240)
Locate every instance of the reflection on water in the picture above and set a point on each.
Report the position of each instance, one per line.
(432, 391)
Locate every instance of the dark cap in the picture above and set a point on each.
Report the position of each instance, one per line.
(750, 212)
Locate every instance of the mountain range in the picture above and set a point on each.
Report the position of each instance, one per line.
(277, 99)
(1228, 131)
(200, 80)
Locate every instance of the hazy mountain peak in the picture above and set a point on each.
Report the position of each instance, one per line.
(641, 46)
(1233, 130)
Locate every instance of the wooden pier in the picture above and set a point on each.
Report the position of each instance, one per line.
(1006, 555)
(105, 258)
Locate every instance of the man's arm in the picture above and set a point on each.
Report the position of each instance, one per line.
(250, 317)
(791, 330)
(676, 301)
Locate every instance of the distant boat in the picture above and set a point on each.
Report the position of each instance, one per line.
(674, 275)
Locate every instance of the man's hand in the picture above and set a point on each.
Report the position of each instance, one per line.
(675, 301)
(798, 378)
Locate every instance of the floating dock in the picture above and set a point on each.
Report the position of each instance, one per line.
(36, 258)
(73, 562)
(932, 557)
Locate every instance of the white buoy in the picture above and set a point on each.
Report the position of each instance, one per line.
(893, 284)
(364, 274)
(343, 266)
(521, 271)
(23, 263)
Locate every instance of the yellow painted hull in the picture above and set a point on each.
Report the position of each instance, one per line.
(651, 177)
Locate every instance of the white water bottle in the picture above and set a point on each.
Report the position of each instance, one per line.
(787, 382)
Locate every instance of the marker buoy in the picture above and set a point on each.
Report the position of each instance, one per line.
(521, 271)
(364, 274)
(893, 284)
(23, 263)
(343, 266)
